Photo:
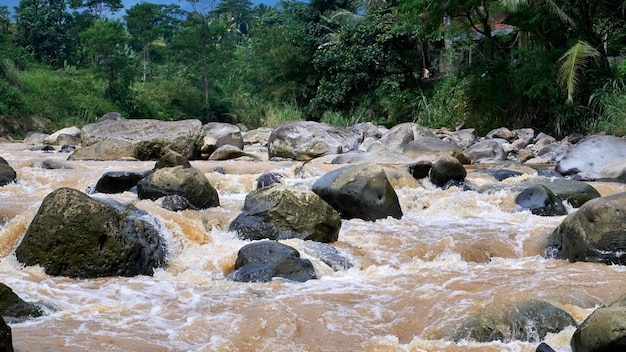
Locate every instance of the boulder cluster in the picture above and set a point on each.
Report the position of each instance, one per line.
(79, 235)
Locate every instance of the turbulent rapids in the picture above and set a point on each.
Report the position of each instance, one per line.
(413, 281)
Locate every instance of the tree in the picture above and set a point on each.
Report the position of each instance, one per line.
(98, 8)
(5, 20)
(43, 29)
(369, 66)
(151, 25)
(237, 14)
(106, 43)
(203, 50)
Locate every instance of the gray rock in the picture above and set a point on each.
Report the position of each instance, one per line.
(269, 178)
(594, 233)
(528, 321)
(590, 156)
(359, 191)
(257, 136)
(76, 236)
(306, 140)
(69, 131)
(7, 173)
(224, 134)
(171, 159)
(398, 136)
(175, 202)
(525, 134)
(280, 212)
(105, 150)
(433, 148)
(228, 152)
(462, 138)
(574, 192)
(118, 181)
(445, 169)
(14, 309)
(540, 201)
(35, 137)
(6, 339)
(50, 164)
(486, 151)
(603, 331)
(150, 138)
(264, 260)
(502, 133)
(328, 254)
(186, 182)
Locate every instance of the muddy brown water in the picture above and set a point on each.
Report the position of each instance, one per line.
(414, 279)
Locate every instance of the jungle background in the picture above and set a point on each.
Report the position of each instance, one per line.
(553, 65)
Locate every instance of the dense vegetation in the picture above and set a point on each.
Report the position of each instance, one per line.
(554, 65)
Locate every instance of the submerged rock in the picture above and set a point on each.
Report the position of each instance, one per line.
(264, 260)
(359, 191)
(603, 331)
(118, 181)
(7, 174)
(525, 321)
(280, 212)
(15, 309)
(76, 236)
(541, 201)
(594, 233)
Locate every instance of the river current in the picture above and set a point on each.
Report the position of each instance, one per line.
(413, 280)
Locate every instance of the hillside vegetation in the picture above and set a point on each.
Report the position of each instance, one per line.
(551, 65)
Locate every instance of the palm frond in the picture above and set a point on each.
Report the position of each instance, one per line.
(571, 64)
(558, 11)
(346, 18)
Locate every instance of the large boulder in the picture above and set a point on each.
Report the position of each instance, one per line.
(112, 149)
(187, 182)
(594, 233)
(462, 138)
(264, 260)
(15, 309)
(604, 330)
(151, 138)
(528, 321)
(76, 236)
(359, 191)
(7, 173)
(400, 135)
(279, 212)
(306, 140)
(588, 157)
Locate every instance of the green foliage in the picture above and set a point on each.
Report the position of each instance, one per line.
(572, 63)
(373, 65)
(64, 100)
(43, 29)
(609, 105)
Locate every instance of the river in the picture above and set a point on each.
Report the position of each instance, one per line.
(414, 279)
